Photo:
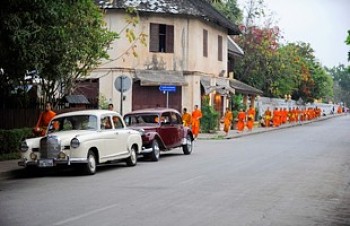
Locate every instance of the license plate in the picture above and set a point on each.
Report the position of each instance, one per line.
(45, 162)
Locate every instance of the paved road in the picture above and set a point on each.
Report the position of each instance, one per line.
(296, 176)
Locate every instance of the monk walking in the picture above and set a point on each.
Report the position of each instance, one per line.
(227, 121)
(196, 124)
(251, 118)
(186, 118)
(240, 120)
(267, 117)
(276, 118)
(44, 120)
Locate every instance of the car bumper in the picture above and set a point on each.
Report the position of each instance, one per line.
(51, 162)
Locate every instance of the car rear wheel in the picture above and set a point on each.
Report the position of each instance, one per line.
(187, 148)
(132, 160)
(90, 166)
(155, 151)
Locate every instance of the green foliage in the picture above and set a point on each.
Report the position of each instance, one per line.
(230, 9)
(341, 78)
(102, 102)
(62, 40)
(347, 41)
(209, 121)
(11, 140)
(236, 104)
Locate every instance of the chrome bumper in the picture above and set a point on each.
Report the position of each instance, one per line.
(25, 162)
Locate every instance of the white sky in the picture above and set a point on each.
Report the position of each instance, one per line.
(322, 23)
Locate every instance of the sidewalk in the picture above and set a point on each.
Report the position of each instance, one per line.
(232, 134)
(10, 168)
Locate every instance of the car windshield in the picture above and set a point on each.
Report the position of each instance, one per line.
(76, 122)
(141, 119)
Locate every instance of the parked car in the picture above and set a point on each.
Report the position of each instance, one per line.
(83, 138)
(162, 130)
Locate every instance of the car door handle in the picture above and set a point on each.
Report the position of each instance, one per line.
(116, 133)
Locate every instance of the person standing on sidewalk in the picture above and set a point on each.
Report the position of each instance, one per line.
(276, 118)
(196, 124)
(227, 121)
(267, 117)
(186, 118)
(250, 118)
(241, 120)
(44, 120)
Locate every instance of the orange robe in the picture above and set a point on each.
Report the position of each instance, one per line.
(43, 121)
(251, 118)
(196, 124)
(284, 116)
(268, 118)
(227, 121)
(240, 124)
(276, 118)
(187, 119)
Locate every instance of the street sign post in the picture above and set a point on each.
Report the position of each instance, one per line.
(122, 83)
(167, 89)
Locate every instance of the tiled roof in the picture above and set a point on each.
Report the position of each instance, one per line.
(77, 99)
(243, 88)
(197, 8)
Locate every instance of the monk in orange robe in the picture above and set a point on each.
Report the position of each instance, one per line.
(267, 117)
(276, 118)
(284, 115)
(186, 118)
(251, 118)
(196, 124)
(227, 121)
(240, 120)
(44, 120)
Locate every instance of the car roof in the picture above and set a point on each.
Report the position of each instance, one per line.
(154, 110)
(88, 112)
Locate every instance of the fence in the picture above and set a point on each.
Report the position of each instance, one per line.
(18, 118)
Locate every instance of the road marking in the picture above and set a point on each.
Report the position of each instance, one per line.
(84, 215)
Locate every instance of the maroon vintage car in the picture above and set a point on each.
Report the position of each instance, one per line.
(161, 129)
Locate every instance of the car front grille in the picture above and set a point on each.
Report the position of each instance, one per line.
(50, 147)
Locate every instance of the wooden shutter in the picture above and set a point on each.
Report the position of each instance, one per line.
(154, 38)
(205, 43)
(169, 39)
(219, 48)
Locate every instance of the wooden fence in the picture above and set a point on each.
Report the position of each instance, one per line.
(18, 118)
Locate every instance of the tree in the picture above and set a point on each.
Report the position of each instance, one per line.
(230, 9)
(61, 40)
(341, 78)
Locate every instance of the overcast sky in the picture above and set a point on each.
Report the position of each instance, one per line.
(322, 23)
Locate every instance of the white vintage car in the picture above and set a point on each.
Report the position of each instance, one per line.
(85, 138)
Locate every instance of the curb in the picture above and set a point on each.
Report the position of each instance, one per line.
(286, 126)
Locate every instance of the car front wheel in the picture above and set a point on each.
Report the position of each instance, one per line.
(132, 159)
(90, 167)
(187, 148)
(155, 151)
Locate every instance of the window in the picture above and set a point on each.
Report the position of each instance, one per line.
(219, 48)
(205, 43)
(117, 122)
(161, 38)
(106, 123)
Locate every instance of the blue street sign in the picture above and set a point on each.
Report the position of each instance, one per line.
(167, 88)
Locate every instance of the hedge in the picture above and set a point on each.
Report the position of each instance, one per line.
(10, 141)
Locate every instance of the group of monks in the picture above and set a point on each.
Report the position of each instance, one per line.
(192, 120)
(281, 116)
(245, 119)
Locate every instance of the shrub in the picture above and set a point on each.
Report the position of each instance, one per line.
(209, 121)
(10, 141)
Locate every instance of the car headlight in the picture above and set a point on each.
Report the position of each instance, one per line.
(74, 143)
(24, 146)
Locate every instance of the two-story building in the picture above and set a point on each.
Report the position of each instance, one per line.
(187, 51)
